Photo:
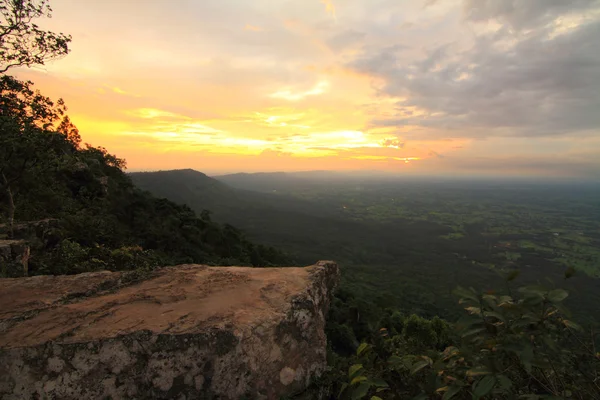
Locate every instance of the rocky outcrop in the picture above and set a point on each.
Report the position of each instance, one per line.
(14, 258)
(185, 332)
(26, 228)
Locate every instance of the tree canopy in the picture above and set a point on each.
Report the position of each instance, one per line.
(22, 41)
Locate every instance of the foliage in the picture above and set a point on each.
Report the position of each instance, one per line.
(30, 147)
(100, 220)
(22, 42)
(506, 347)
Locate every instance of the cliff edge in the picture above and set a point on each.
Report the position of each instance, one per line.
(182, 332)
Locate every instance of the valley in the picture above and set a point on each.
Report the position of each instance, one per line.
(407, 244)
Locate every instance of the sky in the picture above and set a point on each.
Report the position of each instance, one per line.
(443, 87)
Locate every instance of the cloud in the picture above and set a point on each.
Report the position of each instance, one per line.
(378, 81)
(290, 95)
(253, 28)
(329, 7)
(524, 14)
(151, 113)
(503, 83)
(274, 153)
(393, 143)
(385, 158)
(429, 3)
(345, 39)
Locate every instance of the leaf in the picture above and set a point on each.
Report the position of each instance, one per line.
(526, 357)
(473, 332)
(533, 300)
(533, 289)
(465, 294)
(395, 360)
(569, 272)
(495, 315)
(478, 371)
(512, 275)
(473, 310)
(360, 391)
(358, 379)
(418, 366)
(401, 362)
(353, 370)
(361, 348)
(450, 352)
(380, 383)
(344, 386)
(557, 295)
(504, 382)
(484, 386)
(376, 398)
(421, 396)
(490, 299)
(515, 348)
(452, 391)
(505, 299)
(572, 325)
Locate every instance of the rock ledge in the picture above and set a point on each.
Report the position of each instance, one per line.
(183, 332)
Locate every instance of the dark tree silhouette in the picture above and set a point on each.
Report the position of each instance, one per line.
(22, 42)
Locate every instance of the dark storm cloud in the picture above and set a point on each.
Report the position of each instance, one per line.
(538, 83)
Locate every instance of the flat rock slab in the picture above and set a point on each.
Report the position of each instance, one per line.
(180, 332)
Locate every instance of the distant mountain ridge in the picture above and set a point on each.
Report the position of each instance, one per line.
(276, 219)
(185, 186)
(202, 192)
(274, 181)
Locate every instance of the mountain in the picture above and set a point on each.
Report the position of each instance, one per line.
(225, 201)
(275, 182)
(263, 181)
(186, 186)
(305, 229)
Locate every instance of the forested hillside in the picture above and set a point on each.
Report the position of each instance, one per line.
(92, 216)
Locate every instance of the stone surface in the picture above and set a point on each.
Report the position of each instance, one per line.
(184, 332)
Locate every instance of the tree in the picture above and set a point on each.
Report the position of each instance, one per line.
(67, 128)
(22, 42)
(30, 146)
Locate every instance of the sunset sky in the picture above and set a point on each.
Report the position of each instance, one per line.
(460, 87)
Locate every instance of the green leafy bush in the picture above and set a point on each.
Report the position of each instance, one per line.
(520, 345)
